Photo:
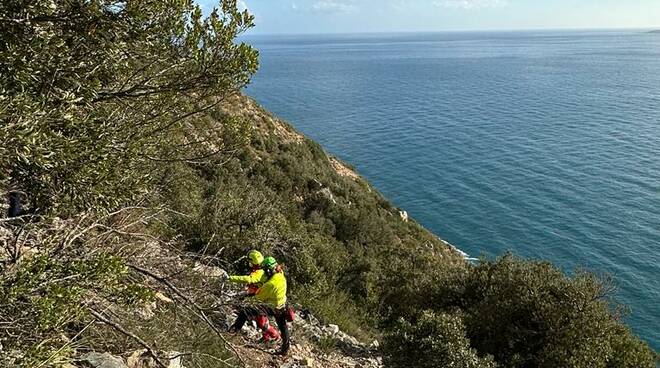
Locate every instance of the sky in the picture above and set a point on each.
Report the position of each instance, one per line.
(357, 16)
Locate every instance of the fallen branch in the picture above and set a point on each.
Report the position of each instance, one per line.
(199, 311)
(119, 328)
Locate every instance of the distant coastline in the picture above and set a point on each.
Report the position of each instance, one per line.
(655, 31)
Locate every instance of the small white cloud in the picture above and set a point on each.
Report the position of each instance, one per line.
(294, 6)
(333, 6)
(470, 4)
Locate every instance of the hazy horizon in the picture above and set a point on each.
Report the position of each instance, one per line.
(549, 29)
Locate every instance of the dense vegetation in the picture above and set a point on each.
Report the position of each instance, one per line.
(122, 127)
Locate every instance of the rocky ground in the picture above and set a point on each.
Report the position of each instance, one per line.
(313, 344)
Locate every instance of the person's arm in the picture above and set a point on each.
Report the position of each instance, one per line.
(253, 278)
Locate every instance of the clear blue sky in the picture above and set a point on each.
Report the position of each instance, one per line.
(346, 16)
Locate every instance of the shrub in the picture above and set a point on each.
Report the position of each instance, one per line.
(96, 96)
(433, 341)
(530, 314)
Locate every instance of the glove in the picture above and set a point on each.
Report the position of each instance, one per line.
(224, 276)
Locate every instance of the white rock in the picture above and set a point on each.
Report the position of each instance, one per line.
(142, 359)
(328, 194)
(334, 329)
(209, 271)
(104, 360)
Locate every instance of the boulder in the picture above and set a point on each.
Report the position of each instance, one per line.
(209, 271)
(142, 359)
(333, 329)
(102, 360)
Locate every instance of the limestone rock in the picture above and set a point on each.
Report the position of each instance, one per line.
(209, 271)
(142, 359)
(328, 194)
(102, 360)
(147, 311)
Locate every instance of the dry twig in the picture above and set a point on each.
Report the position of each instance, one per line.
(199, 311)
(119, 328)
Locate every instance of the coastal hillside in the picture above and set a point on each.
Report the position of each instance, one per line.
(137, 176)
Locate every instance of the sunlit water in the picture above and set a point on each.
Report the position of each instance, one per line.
(543, 143)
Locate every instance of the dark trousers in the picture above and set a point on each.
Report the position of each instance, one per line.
(250, 312)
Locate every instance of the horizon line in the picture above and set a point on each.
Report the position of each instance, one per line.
(466, 30)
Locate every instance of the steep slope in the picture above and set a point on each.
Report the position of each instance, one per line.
(155, 290)
(340, 239)
(141, 285)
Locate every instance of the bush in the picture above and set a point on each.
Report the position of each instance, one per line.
(95, 96)
(433, 341)
(46, 296)
(529, 314)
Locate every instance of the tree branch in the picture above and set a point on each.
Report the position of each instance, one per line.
(119, 328)
(197, 309)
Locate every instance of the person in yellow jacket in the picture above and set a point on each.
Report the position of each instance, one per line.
(256, 278)
(272, 298)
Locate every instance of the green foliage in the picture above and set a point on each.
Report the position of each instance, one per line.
(529, 314)
(347, 253)
(434, 340)
(45, 295)
(629, 351)
(96, 95)
(351, 259)
(174, 329)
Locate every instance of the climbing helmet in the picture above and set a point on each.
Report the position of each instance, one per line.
(255, 257)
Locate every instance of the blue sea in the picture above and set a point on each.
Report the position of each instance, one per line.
(545, 144)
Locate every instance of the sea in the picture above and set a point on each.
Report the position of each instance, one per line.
(545, 144)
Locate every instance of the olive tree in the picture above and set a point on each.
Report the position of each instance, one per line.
(96, 96)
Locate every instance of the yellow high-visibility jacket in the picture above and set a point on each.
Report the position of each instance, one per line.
(256, 277)
(273, 291)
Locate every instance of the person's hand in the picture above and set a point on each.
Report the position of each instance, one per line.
(224, 276)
